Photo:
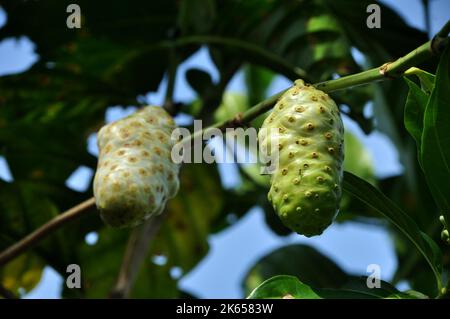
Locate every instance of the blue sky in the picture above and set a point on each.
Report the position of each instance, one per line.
(234, 250)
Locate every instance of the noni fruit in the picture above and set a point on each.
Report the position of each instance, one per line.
(306, 184)
(135, 174)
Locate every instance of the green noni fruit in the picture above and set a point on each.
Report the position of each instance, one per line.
(306, 184)
(135, 174)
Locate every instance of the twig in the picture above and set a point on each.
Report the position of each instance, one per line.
(136, 251)
(46, 229)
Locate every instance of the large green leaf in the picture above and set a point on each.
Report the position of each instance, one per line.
(283, 287)
(257, 80)
(416, 103)
(435, 146)
(414, 111)
(373, 197)
(356, 288)
(297, 260)
(289, 287)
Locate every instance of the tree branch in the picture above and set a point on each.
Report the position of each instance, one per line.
(43, 231)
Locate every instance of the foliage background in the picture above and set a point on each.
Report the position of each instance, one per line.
(73, 80)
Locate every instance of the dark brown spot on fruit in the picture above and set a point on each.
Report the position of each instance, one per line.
(132, 159)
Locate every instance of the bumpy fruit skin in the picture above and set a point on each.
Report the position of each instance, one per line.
(306, 186)
(135, 173)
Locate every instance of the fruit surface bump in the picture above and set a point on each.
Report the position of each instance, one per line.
(306, 185)
(135, 173)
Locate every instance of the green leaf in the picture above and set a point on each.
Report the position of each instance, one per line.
(435, 146)
(357, 287)
(416, 102)
(283, 287)
(377, 200)
(257, 80)
(22, 274)
(414, 111)
(289, 287)
(426, 79)
(302, 261)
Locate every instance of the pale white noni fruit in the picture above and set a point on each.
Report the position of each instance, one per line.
(135, 173)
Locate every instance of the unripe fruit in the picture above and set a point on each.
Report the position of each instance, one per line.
(306, 186)
(135, 174)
